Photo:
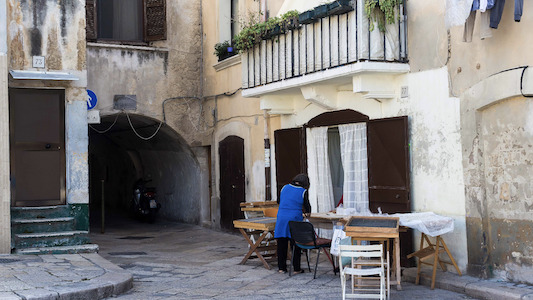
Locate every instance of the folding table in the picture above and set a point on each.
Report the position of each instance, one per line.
(262, 226)
(377, 228)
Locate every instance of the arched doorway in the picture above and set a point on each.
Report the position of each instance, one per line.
(232, 180)
(124, 148)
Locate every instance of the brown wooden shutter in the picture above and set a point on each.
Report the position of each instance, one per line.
(388, 173)
(90, 20)
(388, 165)
(291, 155)
(155, 20)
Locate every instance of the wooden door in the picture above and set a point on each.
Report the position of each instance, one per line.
(389, 172)
(232, 180)
(388, 165)
(291, 155)
(37, 147)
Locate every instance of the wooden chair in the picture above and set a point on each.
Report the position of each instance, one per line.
(432, 250)
(270, 212)
(367, 262)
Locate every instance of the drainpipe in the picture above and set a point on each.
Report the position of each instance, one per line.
(268, 194)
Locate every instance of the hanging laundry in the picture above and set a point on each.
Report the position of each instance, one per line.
(482, 5)
(469, 27)
(497, 10)
(485, 31)
(518, 6)
(457, 12)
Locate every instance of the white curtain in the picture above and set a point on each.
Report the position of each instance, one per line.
(127, 20)
(355, 164)
(321, 189)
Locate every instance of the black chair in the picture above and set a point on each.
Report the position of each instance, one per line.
(304, 236)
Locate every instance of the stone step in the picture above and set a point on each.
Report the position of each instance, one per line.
(40, 212)
(50, 239)
(42, 225)
(87, 248)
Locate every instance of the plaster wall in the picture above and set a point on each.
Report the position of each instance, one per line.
(497, 161)
(155, 72)
(55, 30)
(511, 45)
(493, 130)
(5, 201)
(231, 114)
(5, 191)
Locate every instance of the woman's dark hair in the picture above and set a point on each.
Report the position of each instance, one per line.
(301, 180)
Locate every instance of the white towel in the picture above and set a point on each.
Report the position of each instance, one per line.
(457, 11)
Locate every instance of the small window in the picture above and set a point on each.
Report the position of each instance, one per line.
(228, 25)
(130, 21)
(234, 18)
(120, 20)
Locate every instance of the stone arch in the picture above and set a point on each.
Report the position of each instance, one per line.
(119, 157)
(491, 112)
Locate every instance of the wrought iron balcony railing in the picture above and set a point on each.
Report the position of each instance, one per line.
(330, 42)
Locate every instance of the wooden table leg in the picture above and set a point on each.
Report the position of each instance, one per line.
(253, 247)
(397, 263)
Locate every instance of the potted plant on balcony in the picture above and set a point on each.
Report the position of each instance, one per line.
(307, 17)
(290, 20)
(223, 50)
(339, 7)
(382, 11)
(321, 11)
(272, 28)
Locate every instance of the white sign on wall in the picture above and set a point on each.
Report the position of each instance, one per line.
(38, 62)
(93, 116)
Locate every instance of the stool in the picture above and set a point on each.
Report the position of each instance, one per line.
(429, 250)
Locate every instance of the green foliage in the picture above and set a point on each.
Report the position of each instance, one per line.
(382, 11)
(254, 31)
(290, 14)
(221, 49)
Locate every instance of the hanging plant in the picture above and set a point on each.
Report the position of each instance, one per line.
(382, 11)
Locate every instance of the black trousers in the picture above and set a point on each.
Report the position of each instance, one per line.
(283, 243)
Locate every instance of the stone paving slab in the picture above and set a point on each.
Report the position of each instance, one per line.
(179, 261)
(65, 276)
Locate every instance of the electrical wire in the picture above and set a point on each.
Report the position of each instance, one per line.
(521, 79)
(104, 131)
(142, 137)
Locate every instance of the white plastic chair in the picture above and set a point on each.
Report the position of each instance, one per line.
(367, 265)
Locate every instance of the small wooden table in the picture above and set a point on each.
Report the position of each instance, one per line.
(378, 229)
(327, 220)
(262, 226)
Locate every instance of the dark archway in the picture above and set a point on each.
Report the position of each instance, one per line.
(118, 156)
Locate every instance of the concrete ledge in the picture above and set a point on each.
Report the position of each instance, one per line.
(71, 276)
(471, 286)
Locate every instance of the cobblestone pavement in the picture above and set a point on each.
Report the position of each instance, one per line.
(179, 261)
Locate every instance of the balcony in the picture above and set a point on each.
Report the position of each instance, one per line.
(333, 46)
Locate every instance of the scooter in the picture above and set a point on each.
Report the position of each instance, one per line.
(144, 205)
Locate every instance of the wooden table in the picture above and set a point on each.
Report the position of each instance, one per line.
(327, 220)
(378, 229)
(262, 226)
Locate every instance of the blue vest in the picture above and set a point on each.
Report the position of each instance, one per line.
(290, 209)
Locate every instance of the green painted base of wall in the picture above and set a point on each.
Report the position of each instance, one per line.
(80, 213)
